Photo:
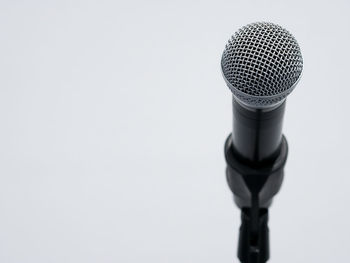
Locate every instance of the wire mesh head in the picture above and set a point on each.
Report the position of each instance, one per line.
(261, 64)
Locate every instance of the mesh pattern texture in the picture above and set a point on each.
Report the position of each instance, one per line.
(261, 64)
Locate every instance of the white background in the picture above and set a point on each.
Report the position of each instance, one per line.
(113, 116)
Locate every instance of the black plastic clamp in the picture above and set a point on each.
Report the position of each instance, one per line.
(253, 188)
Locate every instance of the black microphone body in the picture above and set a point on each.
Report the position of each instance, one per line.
(257, 133)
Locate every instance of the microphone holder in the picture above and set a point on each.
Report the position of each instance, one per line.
(253, 188)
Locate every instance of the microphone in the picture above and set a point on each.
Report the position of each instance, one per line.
(261, 64)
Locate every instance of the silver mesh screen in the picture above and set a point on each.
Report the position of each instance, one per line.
(261, 64)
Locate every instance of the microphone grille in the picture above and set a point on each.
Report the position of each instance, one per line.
(261, 64)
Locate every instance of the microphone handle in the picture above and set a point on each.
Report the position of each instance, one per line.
(257, 133)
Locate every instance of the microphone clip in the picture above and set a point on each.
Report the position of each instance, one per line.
(253, 188)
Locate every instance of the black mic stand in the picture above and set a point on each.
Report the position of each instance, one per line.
(253, 188)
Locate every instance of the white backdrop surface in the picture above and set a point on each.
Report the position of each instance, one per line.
(113, 116)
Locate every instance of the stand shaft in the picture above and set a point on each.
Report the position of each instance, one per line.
(253, 244)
